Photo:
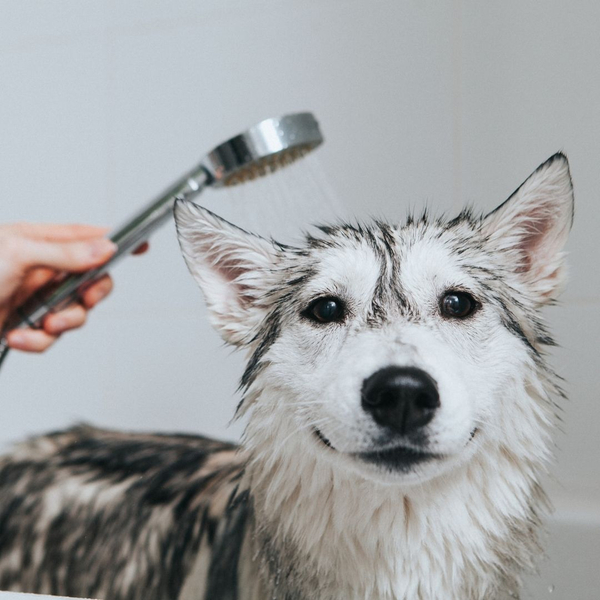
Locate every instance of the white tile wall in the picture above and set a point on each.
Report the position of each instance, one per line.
(53, 131)
(103, 103)
(530, 87)
(577, 326)
(35, 25)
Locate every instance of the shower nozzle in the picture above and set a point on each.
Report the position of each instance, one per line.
(269, 145)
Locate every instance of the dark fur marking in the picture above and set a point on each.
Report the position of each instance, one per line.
(512, 324)
(387, 289)
(87, 547)
(267, 338)
(223, 571)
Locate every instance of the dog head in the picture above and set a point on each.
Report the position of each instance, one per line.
(396, 351)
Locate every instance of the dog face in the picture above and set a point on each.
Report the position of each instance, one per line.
(395, 351)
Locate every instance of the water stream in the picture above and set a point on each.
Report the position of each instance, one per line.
(281, 205)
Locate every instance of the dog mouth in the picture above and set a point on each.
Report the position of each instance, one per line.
(398, 458)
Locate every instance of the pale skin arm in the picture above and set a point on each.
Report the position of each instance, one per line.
(32, 255)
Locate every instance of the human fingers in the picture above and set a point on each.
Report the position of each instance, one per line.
(30, 340)
(71, 317)
(58, 232)
(63, 256)
(97, 291)
(33, 280)
(143, 247)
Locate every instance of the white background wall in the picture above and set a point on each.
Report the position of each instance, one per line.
(103, 103)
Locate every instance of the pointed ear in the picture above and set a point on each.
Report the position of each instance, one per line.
(533, 225)
(232, 267)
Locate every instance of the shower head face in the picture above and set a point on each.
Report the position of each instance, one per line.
(262, 149)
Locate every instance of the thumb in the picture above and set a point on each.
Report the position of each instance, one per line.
(63, 256)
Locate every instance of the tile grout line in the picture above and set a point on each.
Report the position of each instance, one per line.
(457, 104)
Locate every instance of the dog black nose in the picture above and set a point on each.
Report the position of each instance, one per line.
(400, 398)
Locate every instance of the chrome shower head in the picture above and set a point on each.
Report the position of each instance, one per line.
(262, 149)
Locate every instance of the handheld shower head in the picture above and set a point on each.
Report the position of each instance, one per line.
(265, 147)
(262, 149)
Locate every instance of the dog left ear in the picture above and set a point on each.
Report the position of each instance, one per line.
(534, 224)
(232, 267)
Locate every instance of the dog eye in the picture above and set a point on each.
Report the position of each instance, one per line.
(325, 310)
(458, 305)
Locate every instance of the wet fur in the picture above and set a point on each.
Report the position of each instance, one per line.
(125, 516)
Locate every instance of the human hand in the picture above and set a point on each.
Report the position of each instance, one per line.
(31, 256)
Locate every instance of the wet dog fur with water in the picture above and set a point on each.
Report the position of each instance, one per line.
(400, 409)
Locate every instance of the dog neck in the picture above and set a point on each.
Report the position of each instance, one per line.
(331, 533)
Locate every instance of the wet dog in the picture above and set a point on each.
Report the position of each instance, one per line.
(399, 405)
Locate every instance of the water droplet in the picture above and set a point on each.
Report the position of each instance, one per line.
(550, 588)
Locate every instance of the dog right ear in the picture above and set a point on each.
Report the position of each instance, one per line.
(232, 267)
(533, 226)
